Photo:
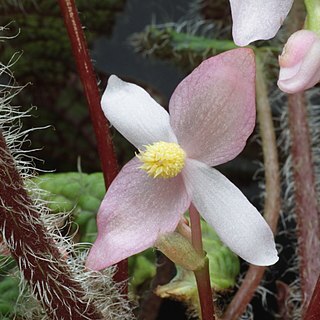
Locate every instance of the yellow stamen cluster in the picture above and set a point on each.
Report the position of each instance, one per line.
(162, 159)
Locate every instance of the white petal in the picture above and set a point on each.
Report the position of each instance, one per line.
(132, 111)
(237, 222)
(257, 19)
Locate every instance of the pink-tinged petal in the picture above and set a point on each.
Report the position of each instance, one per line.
(132, 111)
(300, 62)
(213, 109)
(257, 19)
(135, 211)
(237, 222)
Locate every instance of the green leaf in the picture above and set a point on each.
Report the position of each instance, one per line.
(9, 292)
(75, 192)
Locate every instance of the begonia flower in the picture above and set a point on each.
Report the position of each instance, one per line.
(257, 19)
(300, 62)
(212, 114)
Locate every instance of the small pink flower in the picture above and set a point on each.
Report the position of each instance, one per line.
(300, 62)
(257, 19)
(212, 113)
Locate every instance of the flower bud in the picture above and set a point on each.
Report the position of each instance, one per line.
(300, 62)
(179, 250)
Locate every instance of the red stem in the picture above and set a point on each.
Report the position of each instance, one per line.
(306, 206)
(91, 91)
(41, 263)
(202, 276)
(196, 234)
(245, 293)
(305, 196)
(313, 311)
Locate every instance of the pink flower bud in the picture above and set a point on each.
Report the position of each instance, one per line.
(300, 62)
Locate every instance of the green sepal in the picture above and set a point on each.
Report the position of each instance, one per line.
(180, 251)
(224, 267)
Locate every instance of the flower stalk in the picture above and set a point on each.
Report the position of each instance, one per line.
(313, 15)
(272, 193)
(37, 256)
(85, 69)
(202, 275)
(306, 205)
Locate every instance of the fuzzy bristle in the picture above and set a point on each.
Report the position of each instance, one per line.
(95, 290)
(294, 301)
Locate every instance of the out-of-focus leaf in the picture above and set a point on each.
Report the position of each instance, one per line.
(9, 293)
(75, 192)
(81, 194)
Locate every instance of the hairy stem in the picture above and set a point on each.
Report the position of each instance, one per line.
(272, 201)
(202, 275)
(306, 205)
(100, 124)
(38, 257)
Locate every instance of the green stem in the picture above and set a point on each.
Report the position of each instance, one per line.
(272, 194)
(313, 15)
(202, 275)
(272, 202)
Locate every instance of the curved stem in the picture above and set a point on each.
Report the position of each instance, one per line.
(202, 275)
(85, 69)
(37, 255)
(272, 201)
(272, 194)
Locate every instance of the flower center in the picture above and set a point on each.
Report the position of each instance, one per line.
(162, 159)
